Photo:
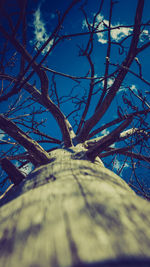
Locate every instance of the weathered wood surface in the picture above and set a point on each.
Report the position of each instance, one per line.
(70, 212)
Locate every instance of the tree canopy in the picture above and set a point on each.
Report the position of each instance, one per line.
(75, 74)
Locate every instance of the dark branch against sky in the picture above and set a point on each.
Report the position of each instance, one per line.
(80, 79)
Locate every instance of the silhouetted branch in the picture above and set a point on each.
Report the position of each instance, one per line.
(107, 140)
(111, 123)
(131, 71)
(12, 171)
(122, 151)
(88, 101)
(58, 115)
(9, 127)
(91, 122)
(107, 58)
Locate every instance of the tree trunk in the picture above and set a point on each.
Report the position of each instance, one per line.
(72, 212)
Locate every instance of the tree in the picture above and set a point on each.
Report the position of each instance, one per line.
(71, 210)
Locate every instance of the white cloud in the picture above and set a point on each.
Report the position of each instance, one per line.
(27, 168)
(101, 35)
(40, 33)
(123, 89)
(117, 165)
(145, 35)
(84, 24)
(133, 88)
(118, 34)
(109, 82)
(113, 145)
(2, 135)
(102, 24)
(105, 132)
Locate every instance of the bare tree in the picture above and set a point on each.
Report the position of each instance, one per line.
(71, 210)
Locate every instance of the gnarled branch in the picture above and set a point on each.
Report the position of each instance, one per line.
(9, 127)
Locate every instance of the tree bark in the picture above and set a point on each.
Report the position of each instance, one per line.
(72, 212)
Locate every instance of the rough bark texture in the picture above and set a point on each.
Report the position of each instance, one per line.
(72, 212)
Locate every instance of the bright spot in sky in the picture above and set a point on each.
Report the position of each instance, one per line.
(2, 135)
(133, 87)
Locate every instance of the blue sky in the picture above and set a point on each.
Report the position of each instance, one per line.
(41, 20)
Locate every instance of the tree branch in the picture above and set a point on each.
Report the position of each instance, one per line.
(122, 136)
(88, 101)
(123, 151)
(107, 58)
(65, 127)
(143, 47)
(58, 115)
(12, 171)
(109, 124)
(34, 149)
(41, 73)
(106, 141)
(131, 71)
(91, 122)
